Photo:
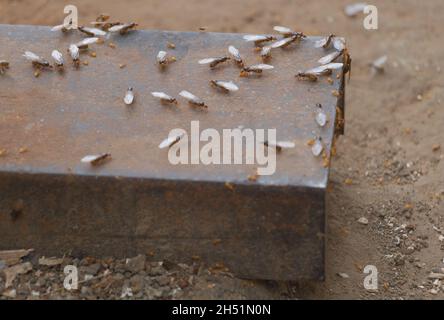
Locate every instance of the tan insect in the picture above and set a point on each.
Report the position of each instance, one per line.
(279, 145)
(317, 147)
(163, 59)
(285, 42)
(213, 62)
(4, 65)
(192, 99)
(326, 69)
(92, 32)
(341, 49)
(123, 28)
(74, 52)
(266, 52)
(257, 68)
(225, 86)
(236, 56)
(330, 57)
(170, 141)
(347, 63)
(339, 43)
(102, 22)
(325, 42)
(307, 76)
(103, 17)
(258, 39)
(60, 27)
(37, 61)
(129, 96)
(84, 44)
(321, 116)
(97, 159)
(105, 25)
(164, 98)
(58, 58)
(288, 33)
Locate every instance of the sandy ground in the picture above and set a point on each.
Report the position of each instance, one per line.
(389, 167)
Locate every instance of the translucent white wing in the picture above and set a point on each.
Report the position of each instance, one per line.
(353, 9)
(229, 85)
(281, 42)
(94, 31)
(315, 70)
(122, 27)
(58, 28)
(261, 66)
(265, 51)
(339, 43)
(317, 148)
(129, 96)
(234, 52)
(161, 95)
(188, 95)
(87, 41)
(168, 142)
(321, 118)
(321, 69)
(74, 51)
(251, 37)
(283, 30)
(321, 42)
(95, 159)
(379, 63)
(58, 57)
(90, 158)
(280, 144)
(97, 32)
(161, 56)
(31, 56)
(207, 60)
(286, 144)
(116, 28)
(334, 66)
(330, 57)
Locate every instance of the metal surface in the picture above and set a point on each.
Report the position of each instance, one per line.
(138, 202)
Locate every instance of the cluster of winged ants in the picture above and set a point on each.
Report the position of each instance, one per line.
(264, 44)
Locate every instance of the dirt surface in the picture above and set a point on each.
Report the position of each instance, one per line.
(389, 167)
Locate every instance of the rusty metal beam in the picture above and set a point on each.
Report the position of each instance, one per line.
(138, 202)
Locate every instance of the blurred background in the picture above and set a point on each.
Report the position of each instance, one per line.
(389, 166)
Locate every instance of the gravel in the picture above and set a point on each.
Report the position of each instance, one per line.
(133, 278)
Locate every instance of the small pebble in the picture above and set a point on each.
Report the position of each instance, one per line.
(436, 147)
(10, 294)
